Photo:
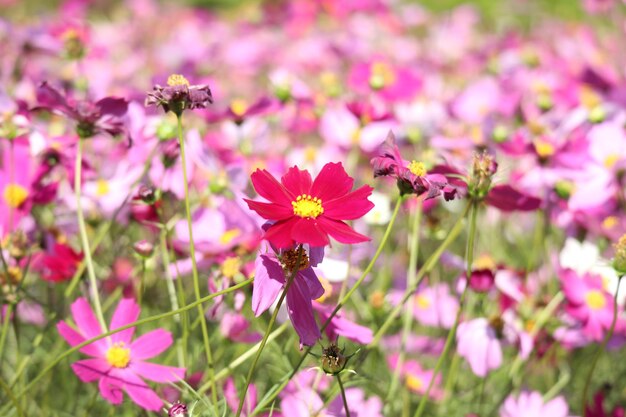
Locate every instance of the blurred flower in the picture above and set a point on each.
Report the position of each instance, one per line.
(179, 96)
(532, 404)
(58, 264)
(307, 211)
(92, 118)
(117, 363)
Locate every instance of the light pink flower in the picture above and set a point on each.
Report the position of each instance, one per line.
(531, 404)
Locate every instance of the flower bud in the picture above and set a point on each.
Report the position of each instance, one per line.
(178, 410)
(144, 248)
(147, 194)
(333, 360)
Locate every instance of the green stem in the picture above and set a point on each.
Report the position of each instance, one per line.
(601, 350)
(290, 280)
(343, 395)
(142, 281)
(171, 290)
(410, 283)
(469, 256)
(244, 357)
(194, 266)
(426, 268)
(365, 273)
(93, 283)
(156, 317)
(12, 397)
(5, 328)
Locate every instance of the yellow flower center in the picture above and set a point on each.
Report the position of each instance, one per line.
(231, 266)
(611, 160)
(229, 235)
(414, 383)
(377, 299)
(118, 355)
(417, 168)
(238, 107)
(382, 75)
(595, 299)
(310, 153)
(544, 149)
(610, 222)
(307, 207)
(14, 195)
(177, 79)
(422, 302)
(484, 262)
(102, 188)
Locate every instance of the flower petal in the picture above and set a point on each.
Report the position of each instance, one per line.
(158, 373)
(332, 182)
(89, 370)
(269, 278)
(309, 231)
(350, 206)
(279, 234)
(150, 344)
(111, 390)
(126, 312)
(297, 181)
(270, 211)
(74, 338)
(85, 319)
(114, 106)
(340, 231)
(269, 188)
(301, 313)
(141, 393)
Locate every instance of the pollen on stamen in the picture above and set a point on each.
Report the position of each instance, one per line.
(417, 168)
(307, 206)
(177, 79)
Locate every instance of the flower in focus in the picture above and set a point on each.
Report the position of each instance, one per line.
(117, 362)
(308, 212)
(179, 96)
(529, 404)
(92, 118)
(271, 271)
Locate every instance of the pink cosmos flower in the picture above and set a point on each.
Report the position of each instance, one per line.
(531, 404)
(416, 378)
(435, 306)
(391, 82)
(308, 212)
(588, 302)
(117, 362)
(15, 186)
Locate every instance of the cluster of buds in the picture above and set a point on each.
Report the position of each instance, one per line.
(483, 169)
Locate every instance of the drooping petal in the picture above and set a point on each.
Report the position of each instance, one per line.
(315, 286)
(150, 344)
(507, 198)
(308, 231)
(301, 313)
(268, 281)
(297, 181)
(158, 373)
(269, 188)
(340, 231)
(127, 311)
(270, 211)
(350, 206)
(332, 182)
(85, 319)
(114, 106)
(89, 370)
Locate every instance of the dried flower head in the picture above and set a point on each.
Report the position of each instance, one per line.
(333, 360)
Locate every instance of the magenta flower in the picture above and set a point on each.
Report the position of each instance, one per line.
(92, 118)
(57, 264)
(117, 362)
(532, 404)
(588, 302)
(308, 212)
(179, 95)
(271, 271)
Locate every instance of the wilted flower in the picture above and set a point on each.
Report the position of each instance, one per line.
(179, 96)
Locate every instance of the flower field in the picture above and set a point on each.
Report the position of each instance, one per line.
(313, 208)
